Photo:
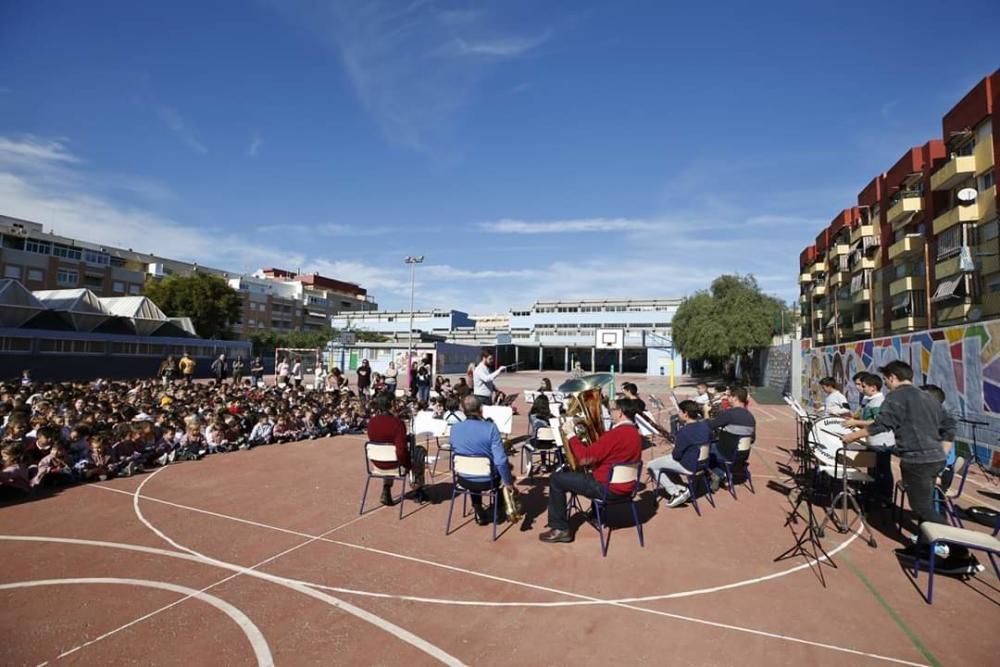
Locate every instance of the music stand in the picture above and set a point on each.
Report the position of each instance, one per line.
(807, 541)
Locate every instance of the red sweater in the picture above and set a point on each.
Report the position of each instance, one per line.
(386, 428)
(622, 444)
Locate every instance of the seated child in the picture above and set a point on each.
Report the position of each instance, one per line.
(262, 432)
(15, 473)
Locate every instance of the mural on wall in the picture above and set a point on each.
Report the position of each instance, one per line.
(963, 360)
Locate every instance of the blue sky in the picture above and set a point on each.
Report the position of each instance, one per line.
(528, 150)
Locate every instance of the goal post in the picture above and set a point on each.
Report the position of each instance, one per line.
(309, 356)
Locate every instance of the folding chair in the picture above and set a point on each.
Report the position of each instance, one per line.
(472, 466)
(446, 447)
(949, 496)
(541, 446)
(741, 463)
(701, 474)
(383, 452)
(621, 473)
(970, 539)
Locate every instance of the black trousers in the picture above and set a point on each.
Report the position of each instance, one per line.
(919, 480)
(477, 498)
(565, 481)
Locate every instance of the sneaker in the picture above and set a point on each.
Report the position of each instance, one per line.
(679, 499)
(942, 550)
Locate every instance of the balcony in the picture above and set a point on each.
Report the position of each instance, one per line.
(907, 284)
(862, 296)
(805, 278)
(908, 324)
(862, 264)
(863, 327)
(908, 245)
(837, 250)
(947, 268)
(904, 209)
(953, 314)
(862, 231)
(957, 215)
(819, 291)
(819, 337)
(818, 267)
(956, 170)
(819, 314)
(839, 278)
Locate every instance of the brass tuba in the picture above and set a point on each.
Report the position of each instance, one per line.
(585, 409)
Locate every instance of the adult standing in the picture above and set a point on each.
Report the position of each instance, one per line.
(915, 418)
(297, 373)
(257, 371)
(187, 365)
(219, 368)
(390, 377)
(282, 372)
(168, 369)
(364, 378)
(482, 378)
(423, 382)
(238, 370)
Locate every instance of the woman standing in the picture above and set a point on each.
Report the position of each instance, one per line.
(364, 379)
(390, 377)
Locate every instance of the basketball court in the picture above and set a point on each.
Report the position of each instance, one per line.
(261, 557)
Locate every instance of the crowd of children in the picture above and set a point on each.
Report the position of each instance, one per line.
(53, 434)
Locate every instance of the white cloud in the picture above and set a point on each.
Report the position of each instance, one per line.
(29, 151)
(325, 229)
(414, 67)
(586, 225)
(172, 119)
(507, 47)
(255, 142)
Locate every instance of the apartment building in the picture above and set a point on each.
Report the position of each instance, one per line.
(273, 299)
(920, 249)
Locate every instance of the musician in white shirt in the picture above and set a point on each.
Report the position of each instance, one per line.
(482, 378)
(835, 403)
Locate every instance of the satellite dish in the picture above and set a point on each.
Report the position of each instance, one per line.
(966, 195)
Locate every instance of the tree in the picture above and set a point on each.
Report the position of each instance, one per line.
(729, 320)
(207, 299)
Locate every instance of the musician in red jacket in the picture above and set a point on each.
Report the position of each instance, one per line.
(388, 428)
(622, 444)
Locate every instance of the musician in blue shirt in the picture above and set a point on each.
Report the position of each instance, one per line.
(477, 437)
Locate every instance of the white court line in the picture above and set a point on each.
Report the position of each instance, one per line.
(252, 632)
(207, 588)
(377, 621)
(484, 575)
(318, 595)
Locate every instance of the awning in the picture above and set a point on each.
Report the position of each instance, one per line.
(869, 242)
(902, 301)
(949, 288)
(856, 283)
(832, 323)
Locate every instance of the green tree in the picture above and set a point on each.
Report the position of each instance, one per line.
(207, 299)
(730, 319)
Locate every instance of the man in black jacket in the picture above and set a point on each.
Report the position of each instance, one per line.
(916, 420)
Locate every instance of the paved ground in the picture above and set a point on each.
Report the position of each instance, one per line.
(261, 556)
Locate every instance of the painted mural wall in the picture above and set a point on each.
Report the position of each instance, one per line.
(963, 360)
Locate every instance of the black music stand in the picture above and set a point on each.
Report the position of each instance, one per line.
(807, 541)
(974, 446)
(846, 498)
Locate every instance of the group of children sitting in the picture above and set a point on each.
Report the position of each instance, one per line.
(62, 433)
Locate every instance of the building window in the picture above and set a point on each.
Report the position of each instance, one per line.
(118, 287)
(40, 247)
(99, 258)
(989, 230)
(67, 278)
(968, 148)
(36, 275)
(93, 281)
(11, 271)
(986, 181)
(66, 252)
(135, 290)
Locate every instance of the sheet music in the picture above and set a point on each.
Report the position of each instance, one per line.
(502, 416)
(424, 423)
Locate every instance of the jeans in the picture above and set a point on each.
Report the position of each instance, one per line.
(575, 482)
(919, 478)
(485, 400)
(423, 392)
(659, 468)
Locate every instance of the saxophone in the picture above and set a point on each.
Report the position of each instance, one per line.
(511, 501)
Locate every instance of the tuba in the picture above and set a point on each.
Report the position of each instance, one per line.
(584, 409)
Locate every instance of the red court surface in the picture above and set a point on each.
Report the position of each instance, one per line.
(261, 556)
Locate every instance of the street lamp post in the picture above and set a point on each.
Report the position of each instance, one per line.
(412, 260)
